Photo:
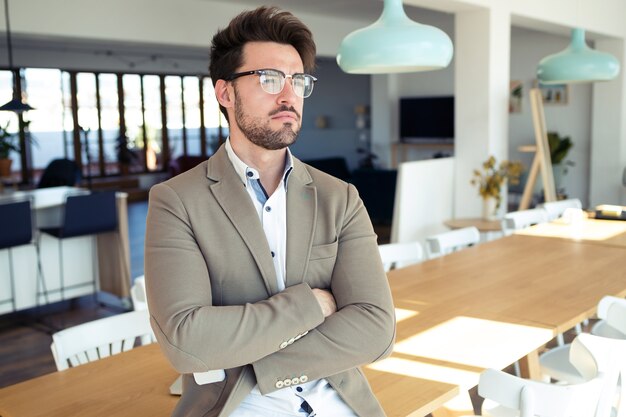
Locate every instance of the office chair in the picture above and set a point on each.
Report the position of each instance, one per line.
(60, 172)
(87, 214)
(16, 226)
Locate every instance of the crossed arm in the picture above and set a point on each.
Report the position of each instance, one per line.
(349, 324)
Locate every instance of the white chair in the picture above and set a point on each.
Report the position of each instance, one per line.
(612, 328)
(592, 396)
(138, 294)
(555, 364)
(509, 395)
(523, 218)
(443, 243)
(100, 338)
(397, 255)
(555, 209)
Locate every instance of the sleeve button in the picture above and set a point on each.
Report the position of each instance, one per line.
(303, 379)
(287, 382)
(295, 381)
(284, 345)
(279, 384)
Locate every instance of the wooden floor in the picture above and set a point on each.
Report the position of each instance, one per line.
(25, 337)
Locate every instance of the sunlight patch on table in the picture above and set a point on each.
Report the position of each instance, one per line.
(464, 378)
(475, 342)
(403, 314)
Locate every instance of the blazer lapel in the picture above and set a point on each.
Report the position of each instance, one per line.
(301, 219)
(232, 196)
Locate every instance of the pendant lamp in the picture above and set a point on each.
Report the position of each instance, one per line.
(394, 44)
(16, 104)
(577, 64)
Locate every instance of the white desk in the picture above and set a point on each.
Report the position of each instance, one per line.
(111, 249)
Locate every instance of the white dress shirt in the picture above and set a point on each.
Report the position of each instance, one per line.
(313, 398)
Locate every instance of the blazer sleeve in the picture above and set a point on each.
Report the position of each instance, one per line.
(363, 328)
(195, 335)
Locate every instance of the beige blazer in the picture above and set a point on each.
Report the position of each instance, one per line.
(212, 293)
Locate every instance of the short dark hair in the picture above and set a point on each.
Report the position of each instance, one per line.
(264, 24)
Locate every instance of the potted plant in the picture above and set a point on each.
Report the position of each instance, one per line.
(490, 181)
(8, 143)
(559, 147)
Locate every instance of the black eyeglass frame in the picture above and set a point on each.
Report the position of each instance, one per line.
(262, 71)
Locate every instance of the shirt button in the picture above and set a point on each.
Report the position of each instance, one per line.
(268, 209)
(250, 174)
(273, 254)
(299, 389)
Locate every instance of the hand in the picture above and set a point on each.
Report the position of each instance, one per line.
(326, 301)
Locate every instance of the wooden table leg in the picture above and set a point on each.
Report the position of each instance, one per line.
(529, 366)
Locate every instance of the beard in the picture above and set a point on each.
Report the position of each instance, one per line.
(260, 133)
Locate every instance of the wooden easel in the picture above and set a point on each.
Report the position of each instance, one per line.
(542, 155)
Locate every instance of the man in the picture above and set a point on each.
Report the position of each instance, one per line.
(258, 264)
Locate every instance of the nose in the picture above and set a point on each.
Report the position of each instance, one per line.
(287, 95)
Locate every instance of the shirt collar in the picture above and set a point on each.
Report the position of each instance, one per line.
(245, 172)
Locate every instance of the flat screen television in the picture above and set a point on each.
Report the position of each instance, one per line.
(427, 119)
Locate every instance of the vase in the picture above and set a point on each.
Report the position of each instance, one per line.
(489, 209)
(5, 167)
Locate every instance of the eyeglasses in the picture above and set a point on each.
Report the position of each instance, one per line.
(273, 81)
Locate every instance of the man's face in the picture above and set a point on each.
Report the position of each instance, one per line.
(271, 121)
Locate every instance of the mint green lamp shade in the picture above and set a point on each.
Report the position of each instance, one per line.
(577, 64)
(394, 44)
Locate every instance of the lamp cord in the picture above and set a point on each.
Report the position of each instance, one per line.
(9, 45)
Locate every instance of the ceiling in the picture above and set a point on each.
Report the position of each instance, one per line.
(368, 10)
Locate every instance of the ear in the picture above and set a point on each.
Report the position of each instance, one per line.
(224, 94)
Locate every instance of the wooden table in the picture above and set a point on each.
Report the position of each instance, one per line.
(593, 231)
(492, 304)
(554, 283)
(136, 383)
(483, 307)
(481, 224)
(489, 229)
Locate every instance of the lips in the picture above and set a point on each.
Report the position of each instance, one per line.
(286, 115)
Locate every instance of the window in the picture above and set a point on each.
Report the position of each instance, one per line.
(192, 114)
